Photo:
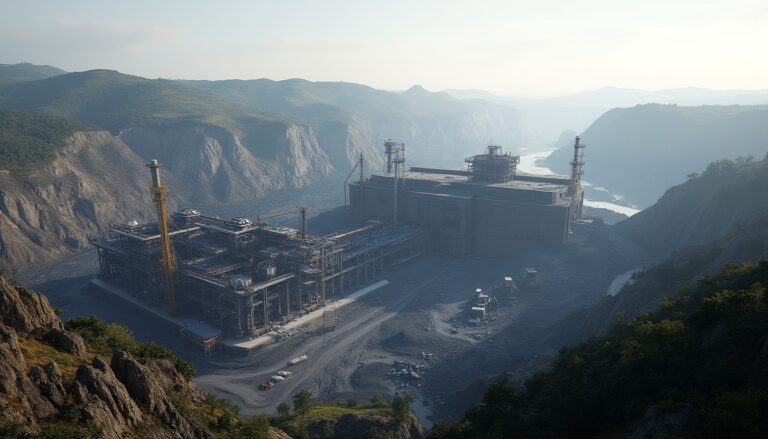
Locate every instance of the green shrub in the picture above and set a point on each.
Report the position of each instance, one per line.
(106, 338)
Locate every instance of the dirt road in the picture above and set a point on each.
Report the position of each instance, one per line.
(333, 356)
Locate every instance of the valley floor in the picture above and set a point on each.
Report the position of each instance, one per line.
(420, 311)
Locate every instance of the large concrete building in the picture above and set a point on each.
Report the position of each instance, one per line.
(487, 208)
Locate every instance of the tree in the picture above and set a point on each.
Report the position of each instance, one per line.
(256, 427)
(283, 409)
(302, 401)
(401, 406)
(377, 400)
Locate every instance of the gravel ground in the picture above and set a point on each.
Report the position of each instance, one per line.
(413, 314)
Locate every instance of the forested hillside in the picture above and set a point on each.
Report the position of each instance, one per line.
(10, 73)
(726, 195)
(30, 140)
(694, 368)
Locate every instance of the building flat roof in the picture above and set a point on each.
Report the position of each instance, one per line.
(446, 179)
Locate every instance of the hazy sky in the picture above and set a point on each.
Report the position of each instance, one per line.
(532, 46)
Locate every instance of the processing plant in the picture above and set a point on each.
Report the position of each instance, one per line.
(487, 208)
(243, 275)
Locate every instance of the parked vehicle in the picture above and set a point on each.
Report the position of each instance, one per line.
(298, 359)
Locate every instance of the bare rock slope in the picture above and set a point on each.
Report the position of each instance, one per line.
(213, 164)
(117, 399)
(44, 213)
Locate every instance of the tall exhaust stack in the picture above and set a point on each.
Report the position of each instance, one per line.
(576, 166)
(577, 170)
(168, 262)
(389, 147)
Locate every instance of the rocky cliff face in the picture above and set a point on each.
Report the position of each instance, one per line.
(95, 180)
(213, 165)
(118, 399)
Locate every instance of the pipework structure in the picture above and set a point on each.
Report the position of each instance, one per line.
(493, 166)
(168, 261)
(395, 153)
(243, 275)
(487, 208)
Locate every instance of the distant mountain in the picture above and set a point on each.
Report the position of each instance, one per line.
(611, 97)
(544, 118)
(221, 143)
(115, 101)
(172, 122)
(437, 128)
(10, 73)
(639, 152)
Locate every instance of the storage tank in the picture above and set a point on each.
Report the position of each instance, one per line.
(240, 282)
(130, 223)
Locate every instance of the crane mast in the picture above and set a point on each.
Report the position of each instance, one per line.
(159, 193)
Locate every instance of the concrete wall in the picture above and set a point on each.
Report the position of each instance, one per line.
(503, 227)
(468, 224)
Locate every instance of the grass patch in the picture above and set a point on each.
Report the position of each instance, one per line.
(300, 421)
(38, 353)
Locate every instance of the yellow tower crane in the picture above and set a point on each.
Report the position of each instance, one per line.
(168, 262)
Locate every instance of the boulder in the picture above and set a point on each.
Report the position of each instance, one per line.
(25, 310)
(50, 383)
(66, 341)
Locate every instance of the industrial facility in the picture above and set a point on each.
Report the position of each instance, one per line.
(242, 275)
(245, 277)
(486, 208)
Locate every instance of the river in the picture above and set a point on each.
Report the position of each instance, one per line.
(529, 163)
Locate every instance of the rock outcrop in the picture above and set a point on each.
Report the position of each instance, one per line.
(146, 389)
(69, 342)
(117, 399)
(25, 310)
(15, 386)
(105, 399)
(50, 383)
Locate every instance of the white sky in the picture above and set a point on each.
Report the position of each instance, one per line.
(507, 47)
